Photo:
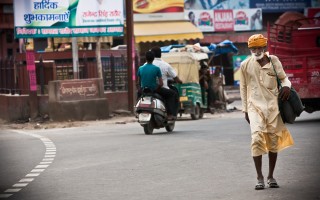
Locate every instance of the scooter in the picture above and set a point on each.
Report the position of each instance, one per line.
(151, 112)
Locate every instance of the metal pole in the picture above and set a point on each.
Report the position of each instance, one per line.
(75, 58)
(130, 54)
(41, 66)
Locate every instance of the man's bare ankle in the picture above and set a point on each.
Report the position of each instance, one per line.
(260, 177)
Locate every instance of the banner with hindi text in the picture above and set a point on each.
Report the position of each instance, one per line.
(68, 18)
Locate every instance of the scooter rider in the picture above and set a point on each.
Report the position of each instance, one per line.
(168, 73)
(148, 74)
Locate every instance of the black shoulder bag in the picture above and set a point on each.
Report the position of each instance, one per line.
(291, 108)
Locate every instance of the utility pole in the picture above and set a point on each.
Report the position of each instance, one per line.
(130, 54)
(75, 58)
(98, 57)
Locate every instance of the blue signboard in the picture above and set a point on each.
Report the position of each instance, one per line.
(273, 6)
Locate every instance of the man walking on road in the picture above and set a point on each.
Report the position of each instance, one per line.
(259, 95)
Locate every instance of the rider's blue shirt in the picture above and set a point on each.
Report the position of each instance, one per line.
(148, 74)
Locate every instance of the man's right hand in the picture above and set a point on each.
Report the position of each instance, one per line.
(247, 117)
(284, 93)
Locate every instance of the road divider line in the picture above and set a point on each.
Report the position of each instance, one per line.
(50, 153)
(32, 174)
(26, 180)
(48, 158)
(41, 166)
(37, 170)
(20, 185)
(45, 163)
(13, 190)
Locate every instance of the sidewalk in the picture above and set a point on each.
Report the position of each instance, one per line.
(122, 116)
(119, 117)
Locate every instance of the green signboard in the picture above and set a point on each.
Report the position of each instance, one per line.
(63, 18)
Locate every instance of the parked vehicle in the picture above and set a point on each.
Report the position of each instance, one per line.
(297, 44)
(193, 98)
(151, 112)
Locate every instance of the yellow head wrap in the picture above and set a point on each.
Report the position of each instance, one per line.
(257, 40)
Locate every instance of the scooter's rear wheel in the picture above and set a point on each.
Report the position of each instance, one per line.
(170, 126)
(148, 128)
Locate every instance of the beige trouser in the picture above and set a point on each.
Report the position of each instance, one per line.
(262, 143)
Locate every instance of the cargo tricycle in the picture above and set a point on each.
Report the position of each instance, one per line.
(192, 97)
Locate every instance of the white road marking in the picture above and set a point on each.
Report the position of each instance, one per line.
(45, 163)
(41, 166)
(26, 180)
(37, 170)
(48, 159)
(20, 185)
(33, 175)
(49, 156)
(13, 190)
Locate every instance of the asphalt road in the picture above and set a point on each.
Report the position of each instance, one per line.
(202, 159)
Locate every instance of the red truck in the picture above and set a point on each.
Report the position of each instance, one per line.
(297, 44)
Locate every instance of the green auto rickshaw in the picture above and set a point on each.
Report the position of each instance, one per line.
(193, 98)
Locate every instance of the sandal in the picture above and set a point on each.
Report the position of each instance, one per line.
(259, 185)
(272, 183)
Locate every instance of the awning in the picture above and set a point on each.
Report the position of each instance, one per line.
(162, 31)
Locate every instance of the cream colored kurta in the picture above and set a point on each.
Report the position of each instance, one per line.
(259, 94)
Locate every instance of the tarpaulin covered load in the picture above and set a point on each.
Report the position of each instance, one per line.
(223, 47)
(186, 64)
